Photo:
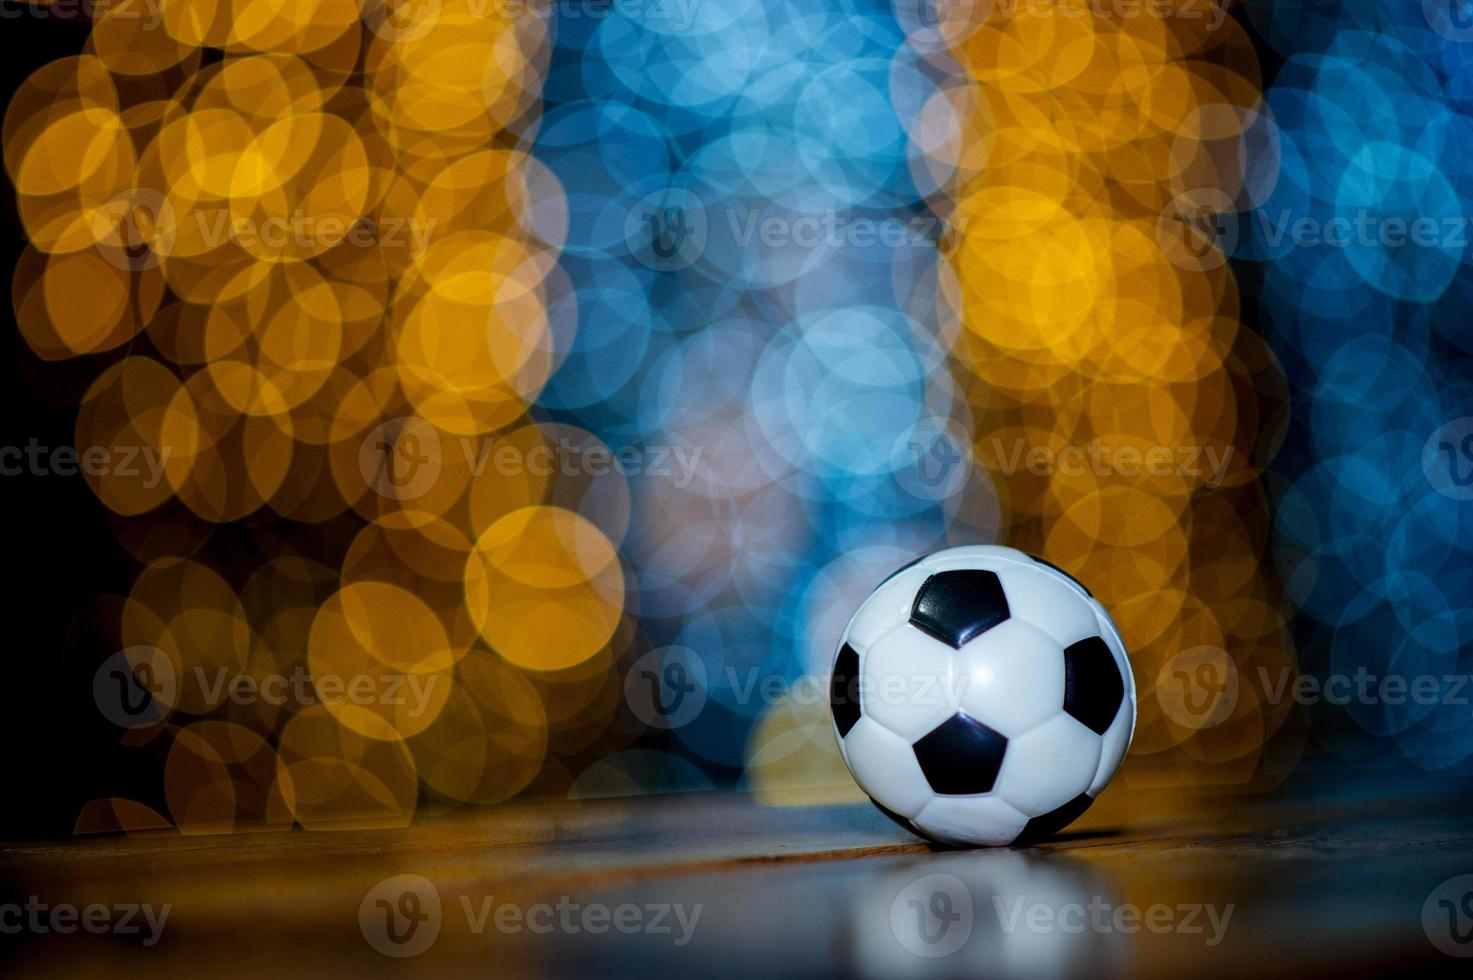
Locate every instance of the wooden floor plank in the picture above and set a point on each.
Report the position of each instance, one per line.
(814, 891)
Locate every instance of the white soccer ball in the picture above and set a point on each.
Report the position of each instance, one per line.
(982, 696)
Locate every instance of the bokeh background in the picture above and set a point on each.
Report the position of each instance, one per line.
(477, 399)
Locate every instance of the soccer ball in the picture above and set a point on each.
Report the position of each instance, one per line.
(982, 696)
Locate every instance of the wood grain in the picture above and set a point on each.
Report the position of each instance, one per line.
(1312, 889)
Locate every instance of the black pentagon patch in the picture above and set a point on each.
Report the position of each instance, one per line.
(902, 821)
(1093, 688)
(959, 605)
(910, 564)
(1082, 586)
(844, 690)
(1049, 824)
(961, 756)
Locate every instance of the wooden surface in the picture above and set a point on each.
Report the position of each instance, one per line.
(1327, 889)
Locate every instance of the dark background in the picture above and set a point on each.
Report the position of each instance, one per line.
(59, 546)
